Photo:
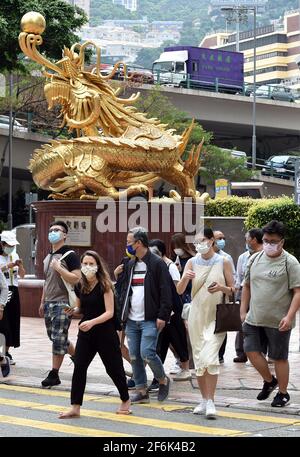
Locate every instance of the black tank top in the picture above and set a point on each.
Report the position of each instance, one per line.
(92, 304)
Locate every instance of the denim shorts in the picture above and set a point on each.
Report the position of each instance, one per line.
(266, 340)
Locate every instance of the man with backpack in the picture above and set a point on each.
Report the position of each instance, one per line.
(62, 270)
(271, 292)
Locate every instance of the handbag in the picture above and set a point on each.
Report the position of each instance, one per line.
(228, 317)
(68, 286)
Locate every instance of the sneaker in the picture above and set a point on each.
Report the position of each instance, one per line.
(11, 360)
(241, 359)
(183, 375)
(280, 400)
(267, 389)
(130, 384)
(52, 379)
(5, 366)
(154, 386)
(140, 398)
(210, 412)
(176, 368)
(201, 408)
(163, 390)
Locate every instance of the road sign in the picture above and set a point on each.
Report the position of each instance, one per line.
(297, 181)
(221, 188)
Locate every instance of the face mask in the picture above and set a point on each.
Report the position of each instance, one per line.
(128, 254)
(179, 252)
(203, 248)
(54, 237)
(89, 271)
(8, 250)
(220, 244)
(271, 250)
(130, 249)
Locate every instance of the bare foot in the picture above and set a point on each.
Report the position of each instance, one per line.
(124, 408)
(71, 414)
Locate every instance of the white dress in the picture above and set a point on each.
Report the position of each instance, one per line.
(202, 317)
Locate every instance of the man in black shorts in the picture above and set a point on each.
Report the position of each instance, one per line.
(271, 292)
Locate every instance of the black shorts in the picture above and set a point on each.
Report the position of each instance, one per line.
(267, 340)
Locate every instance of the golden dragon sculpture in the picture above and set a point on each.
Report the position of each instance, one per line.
(116, 147)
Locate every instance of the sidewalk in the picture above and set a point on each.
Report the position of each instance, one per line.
(238, 384)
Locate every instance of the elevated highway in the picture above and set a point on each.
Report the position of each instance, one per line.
(229, 117)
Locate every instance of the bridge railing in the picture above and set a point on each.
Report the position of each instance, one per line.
(214, 84)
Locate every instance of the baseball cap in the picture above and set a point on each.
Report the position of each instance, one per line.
(9, 238)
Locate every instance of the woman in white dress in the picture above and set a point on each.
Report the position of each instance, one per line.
(211, 276)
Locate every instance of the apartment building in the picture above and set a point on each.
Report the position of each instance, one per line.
(128, 4)
(277, 48)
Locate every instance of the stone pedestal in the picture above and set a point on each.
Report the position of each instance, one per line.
(110, 221)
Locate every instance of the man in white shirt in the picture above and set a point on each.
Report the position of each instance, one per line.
(254, 244)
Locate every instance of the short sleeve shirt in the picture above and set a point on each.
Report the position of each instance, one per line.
(54, 288)
(173, 270)
(271, 280)
(11, 274)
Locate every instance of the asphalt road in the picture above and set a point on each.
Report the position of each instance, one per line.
(33, 412)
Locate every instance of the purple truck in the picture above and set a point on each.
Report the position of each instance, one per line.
(201, 68)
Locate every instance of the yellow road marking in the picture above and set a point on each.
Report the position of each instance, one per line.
(61, 428)
(163, 407)
(135, 420)
(45, 392)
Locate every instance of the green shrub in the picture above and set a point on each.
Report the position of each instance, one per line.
(230, 206)
(282, 209)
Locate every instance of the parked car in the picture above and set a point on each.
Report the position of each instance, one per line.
(4, 124)
(280, 166)
(275, 92)
(140, 75)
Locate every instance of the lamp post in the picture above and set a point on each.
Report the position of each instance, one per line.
(254, 93)
(237, 12)
(10, 175)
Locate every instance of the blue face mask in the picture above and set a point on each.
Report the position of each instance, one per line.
(54, 237)
(130, 249)
(220, 244)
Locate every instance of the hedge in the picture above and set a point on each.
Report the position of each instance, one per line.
(230, 206)
(282, 209)
(258, 212)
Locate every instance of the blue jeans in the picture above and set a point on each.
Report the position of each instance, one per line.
(142, 339)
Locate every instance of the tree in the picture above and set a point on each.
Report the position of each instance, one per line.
(62, 20)
(215, 162)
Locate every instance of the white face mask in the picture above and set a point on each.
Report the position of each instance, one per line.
(179, 252)
(202, 248)
(272, 249)
(89, 271)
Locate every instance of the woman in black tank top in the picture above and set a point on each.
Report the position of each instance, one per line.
(97, 333)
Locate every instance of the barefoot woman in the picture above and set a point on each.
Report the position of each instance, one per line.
(97, 333)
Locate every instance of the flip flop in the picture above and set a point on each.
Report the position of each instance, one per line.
(125, 412)
(69, 416)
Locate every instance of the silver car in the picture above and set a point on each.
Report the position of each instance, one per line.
(275, 92)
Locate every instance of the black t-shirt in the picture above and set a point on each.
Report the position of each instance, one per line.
(92, 304)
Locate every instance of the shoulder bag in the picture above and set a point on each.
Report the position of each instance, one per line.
(228, 317)
(69, 287)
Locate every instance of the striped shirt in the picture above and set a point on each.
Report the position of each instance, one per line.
(137, 309)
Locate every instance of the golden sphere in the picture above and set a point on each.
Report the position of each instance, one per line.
(33, 22)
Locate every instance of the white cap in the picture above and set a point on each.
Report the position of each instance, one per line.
(9, 238)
